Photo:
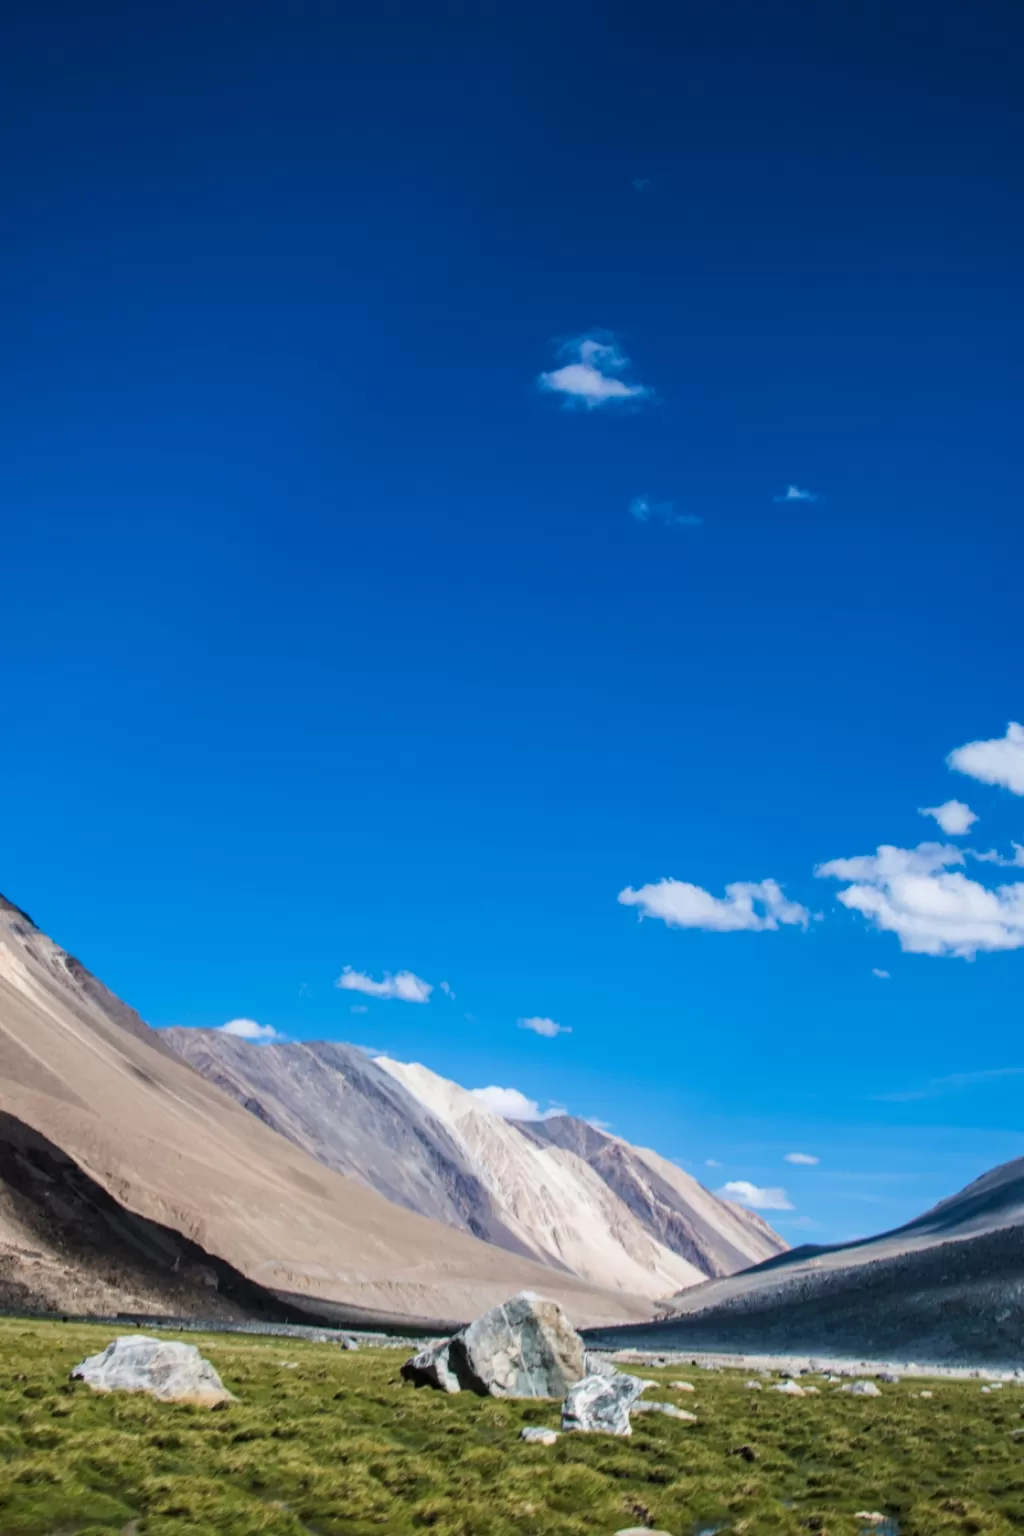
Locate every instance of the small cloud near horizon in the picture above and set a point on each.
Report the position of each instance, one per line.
(545, 1027)
(758, 1199)
(644, 510)
(404, 985)
(591, 376)
(248, 1029)
(804, 1159)
(508, 1102)
(882, 975)
(954, 817)
(794, 493)
(712, 1162)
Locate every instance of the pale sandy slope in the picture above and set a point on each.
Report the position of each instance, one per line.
(550, 1196)
(85, 1071)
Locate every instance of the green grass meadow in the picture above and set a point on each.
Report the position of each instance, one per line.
(338, 1446)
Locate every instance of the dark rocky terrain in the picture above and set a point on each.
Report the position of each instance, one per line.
(945, 1288)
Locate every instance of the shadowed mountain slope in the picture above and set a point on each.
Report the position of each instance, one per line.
(85, 1072)
(945, 1288)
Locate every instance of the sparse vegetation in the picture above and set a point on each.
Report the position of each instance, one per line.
(337, 1447)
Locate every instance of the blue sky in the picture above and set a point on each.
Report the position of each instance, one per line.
(400, 562)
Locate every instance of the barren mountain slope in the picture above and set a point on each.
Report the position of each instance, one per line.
(342, 1109)
(716, 1236)
(80, 1068)
(948, 1286)
(549, 1196)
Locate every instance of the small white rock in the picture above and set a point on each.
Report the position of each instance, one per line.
(753, 1386)
(536, 1434)
(861, 1389)
(682, 1386)
(668, 1409)
(790, 1388)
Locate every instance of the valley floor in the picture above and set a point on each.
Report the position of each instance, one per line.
(323, 1442)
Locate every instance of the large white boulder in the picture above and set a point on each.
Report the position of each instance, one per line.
(175, 1373)
(524, 1348)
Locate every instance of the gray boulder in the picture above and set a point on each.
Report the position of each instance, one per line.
(172, 1372)
(431, 1368)
(861, 1389)
(524, 1348)
(599, 1365)
(600, 1405)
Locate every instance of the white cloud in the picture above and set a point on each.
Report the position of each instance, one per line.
(404, 985)
(882, 975)
(992, 857)
(804, 1159)
(794, 493)
(647, 511)
(508, 1102)
(248, 1029)
(446, 988)
(359, 1008)
(954, 817)
(546, 1027)
(909, 892)
(1000, 761)
(711, 1162)
(745, 1193)
(755, 906)
(591, 377)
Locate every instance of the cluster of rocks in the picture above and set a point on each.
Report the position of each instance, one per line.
(527, 1348)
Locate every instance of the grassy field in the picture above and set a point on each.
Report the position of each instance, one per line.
(337, 1447)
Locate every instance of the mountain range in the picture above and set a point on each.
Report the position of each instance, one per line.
(307, 1179)
(556, 1190)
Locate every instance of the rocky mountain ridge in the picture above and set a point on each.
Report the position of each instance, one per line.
(560, 1191)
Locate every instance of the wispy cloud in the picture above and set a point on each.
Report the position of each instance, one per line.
(641, 183)
(359, 1008)
(910, 892)
(647, 511)
(992, 857)
(546, 1027)
(248, 1029)
(508, 1102)
(751, 906)
(794, 493)
(804, 1159)
(882, 975)
(999, 761)
(937, 1086)
(711, 1162)
(445, 987)
(745, 1193)
(592, 374)
(404, 985)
